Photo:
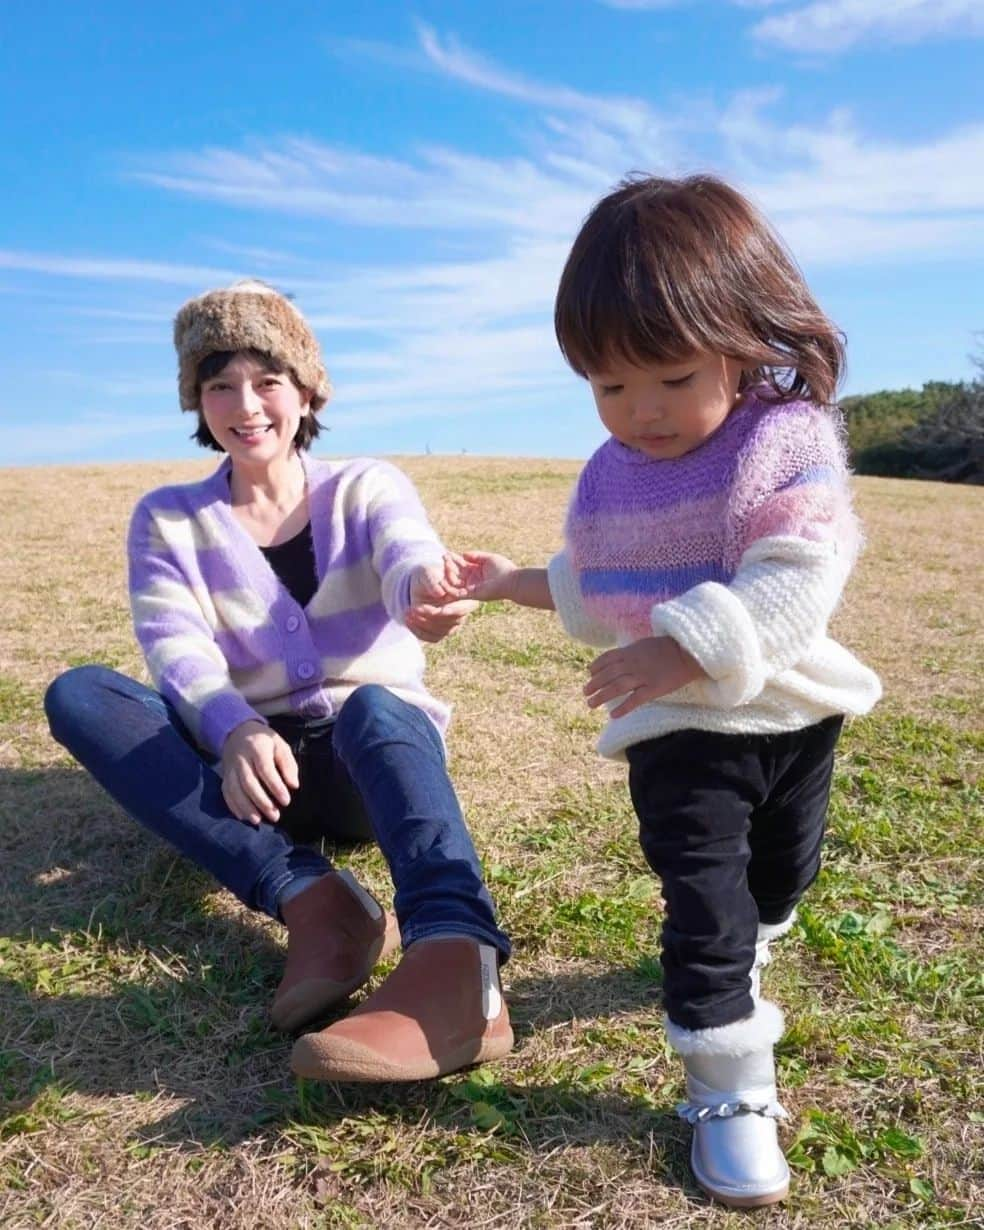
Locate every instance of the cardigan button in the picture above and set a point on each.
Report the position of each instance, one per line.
(305, 670)
(292, 624)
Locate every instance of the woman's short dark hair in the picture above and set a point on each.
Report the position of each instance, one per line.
(210, 367)
(666, 268)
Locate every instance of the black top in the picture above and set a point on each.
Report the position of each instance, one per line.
(293, 562)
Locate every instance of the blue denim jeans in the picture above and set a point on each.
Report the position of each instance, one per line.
(378, 770)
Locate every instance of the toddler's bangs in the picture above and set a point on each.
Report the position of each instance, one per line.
(614, 312)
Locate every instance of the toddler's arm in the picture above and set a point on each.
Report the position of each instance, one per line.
(488, 577)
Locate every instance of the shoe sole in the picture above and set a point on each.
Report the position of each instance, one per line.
(737, 1199)
(354, 1064)
(744, 1202)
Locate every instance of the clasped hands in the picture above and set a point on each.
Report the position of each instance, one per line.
(438, 606)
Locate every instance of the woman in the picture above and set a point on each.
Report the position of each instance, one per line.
(278, 604)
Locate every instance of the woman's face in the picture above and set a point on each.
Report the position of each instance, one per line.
(253, 412)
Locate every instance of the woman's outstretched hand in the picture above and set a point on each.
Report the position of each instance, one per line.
(437, 607)
(258, 773)
(639, 672)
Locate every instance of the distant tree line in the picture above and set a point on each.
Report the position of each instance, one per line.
(935, 432)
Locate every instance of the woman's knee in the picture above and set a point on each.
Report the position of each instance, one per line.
(72, 692)
(374, 711)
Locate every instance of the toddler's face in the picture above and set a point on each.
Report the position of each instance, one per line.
(666, 409)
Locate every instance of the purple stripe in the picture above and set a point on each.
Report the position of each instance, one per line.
(652, 581)
(220, 570)
(356, 543)
(406, 552)
(385, 514)
(243, 649)
(348, 634)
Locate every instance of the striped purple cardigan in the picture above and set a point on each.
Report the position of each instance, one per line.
(224, 640)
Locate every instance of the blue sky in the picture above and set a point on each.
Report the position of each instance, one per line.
(415, 173)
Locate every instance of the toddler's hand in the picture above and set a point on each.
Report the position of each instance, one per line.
(485, 576)
(640, 672)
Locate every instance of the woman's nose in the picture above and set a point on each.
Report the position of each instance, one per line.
(247, 399)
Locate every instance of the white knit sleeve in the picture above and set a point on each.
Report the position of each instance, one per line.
(762, 623)
(566, 595)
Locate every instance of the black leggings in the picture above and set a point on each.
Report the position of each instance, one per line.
(732, 825)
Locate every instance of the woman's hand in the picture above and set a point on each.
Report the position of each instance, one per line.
(436, 608)
(431, 584)
(258, 773)
(640, 672)
(434, 623)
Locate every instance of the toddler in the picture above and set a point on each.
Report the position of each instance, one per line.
(707, 544)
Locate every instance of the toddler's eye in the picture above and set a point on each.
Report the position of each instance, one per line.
(679, 382)
(609, 390)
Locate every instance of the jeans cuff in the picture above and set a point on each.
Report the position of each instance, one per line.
(495, 938)
(303, 863)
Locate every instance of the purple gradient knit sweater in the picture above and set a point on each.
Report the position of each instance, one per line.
(739, 550)
(224, 640)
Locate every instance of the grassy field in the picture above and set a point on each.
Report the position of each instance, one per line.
(140, 1082)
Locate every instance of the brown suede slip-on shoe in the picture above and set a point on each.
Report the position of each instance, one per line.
(336, 933)
(441, 1009)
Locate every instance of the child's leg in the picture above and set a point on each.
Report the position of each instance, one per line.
(695, 793)
(787, 830)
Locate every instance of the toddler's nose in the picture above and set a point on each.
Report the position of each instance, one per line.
(648, 410)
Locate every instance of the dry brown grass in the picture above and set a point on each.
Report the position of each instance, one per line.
(144, 1088)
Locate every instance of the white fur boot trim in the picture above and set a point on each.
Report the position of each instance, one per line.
(772, 931)
(755, 1033)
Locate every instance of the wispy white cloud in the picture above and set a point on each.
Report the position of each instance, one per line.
(112, 268)
(835, 25)
(83, 435)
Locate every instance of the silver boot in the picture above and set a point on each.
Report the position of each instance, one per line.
(767, 932)
(731, 1104)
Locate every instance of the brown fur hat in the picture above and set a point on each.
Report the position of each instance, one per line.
(247, 315)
